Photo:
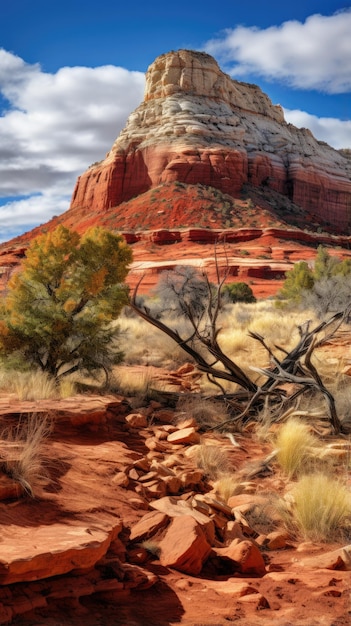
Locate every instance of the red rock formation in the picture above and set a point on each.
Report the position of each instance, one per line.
(197, 125)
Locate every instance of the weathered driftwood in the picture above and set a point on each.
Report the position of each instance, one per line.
(295, 367)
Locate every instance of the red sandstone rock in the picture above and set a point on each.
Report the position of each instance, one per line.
(184, 435)
(182, 132)
(55, 549)
(148, 525)
(184, 546)
(245, 556)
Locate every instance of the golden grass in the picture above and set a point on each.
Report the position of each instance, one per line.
(321, 508)
(296, 447)
(144, 344)
(22, 455)
(130, 382)
(35, 385)
(207, 413)
(226, 486)
(213, 460)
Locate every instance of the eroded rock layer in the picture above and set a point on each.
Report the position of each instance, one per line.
(197, 125)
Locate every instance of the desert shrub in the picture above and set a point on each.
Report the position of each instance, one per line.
(213, 460)
(320, 508)
(22, 456)
(328, 295)
(238, 292)
(58, 308)
(35, 385)
(326, 287)
(295, 443)
(207, 413)
(182, 291)
(297, 280)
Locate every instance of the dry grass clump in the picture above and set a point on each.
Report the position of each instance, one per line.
(226, 486)
(207, 413)
(21, 456)
(319, 508)
(144, 344)
(296, 447)
(36, 385)
(265, 517)
(213, 460)
(131, 382)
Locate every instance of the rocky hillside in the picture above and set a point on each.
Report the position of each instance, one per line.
(129, 527)
(197, 125)
(204, 159)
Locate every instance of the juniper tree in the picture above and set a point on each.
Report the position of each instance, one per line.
(59, 306)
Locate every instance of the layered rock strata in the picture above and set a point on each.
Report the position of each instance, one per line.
(197, 125)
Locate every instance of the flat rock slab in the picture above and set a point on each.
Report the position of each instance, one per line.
(78, 410)
(57, 548)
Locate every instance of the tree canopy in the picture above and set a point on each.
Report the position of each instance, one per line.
(59, 306)
(308, 285)
(238, 292)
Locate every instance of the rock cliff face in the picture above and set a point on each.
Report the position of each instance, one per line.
(197, 125)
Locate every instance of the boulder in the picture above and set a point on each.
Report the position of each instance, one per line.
(245, 557)
(184, 546)
(148, 526)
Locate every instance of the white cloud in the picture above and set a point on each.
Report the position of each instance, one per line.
(315, 54)
(21, 215)
(337, 133)
(52, 127)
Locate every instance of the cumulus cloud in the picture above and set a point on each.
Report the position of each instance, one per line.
(315, 54)
(51, 128)
(337, 133)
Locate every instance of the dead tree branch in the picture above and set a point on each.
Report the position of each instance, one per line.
(295, 367)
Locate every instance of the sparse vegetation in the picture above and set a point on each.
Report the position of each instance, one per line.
(204, 347)
(21, 455)
(35, 385)
(324, 285)
(206, 412)
(58, 308)
(320, 508)
(213, 460)
(151, 546)
(226, 486)
(296, 447)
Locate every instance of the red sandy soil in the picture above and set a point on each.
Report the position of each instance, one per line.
(178, 207)
(83, 461)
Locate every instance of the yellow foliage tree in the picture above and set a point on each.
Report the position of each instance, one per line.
(59, 307)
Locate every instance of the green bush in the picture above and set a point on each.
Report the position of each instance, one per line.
(238, 292)
(58, 308)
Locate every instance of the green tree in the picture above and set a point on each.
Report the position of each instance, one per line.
(238, 292)
(325, 265)
(58, 309)
(297, 280)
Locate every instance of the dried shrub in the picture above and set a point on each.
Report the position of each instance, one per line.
(207, 413)
(296, 447)
(213, 460)
(320, 508)
(22, 457)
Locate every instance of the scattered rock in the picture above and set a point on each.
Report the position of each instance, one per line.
(148, 526)
(184, 435)
(184, 546)
(245, 556)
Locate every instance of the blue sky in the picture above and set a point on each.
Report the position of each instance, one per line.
(71, 72)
